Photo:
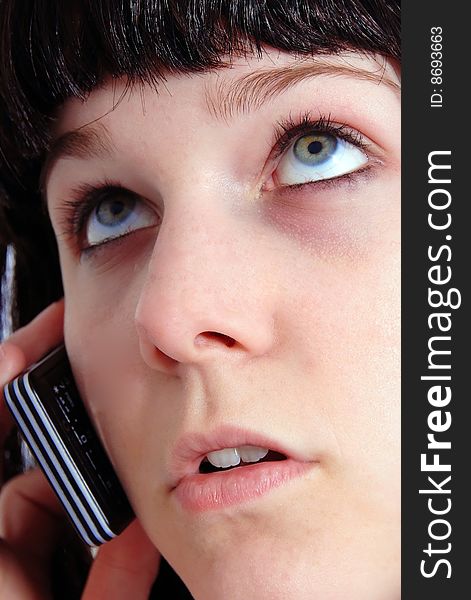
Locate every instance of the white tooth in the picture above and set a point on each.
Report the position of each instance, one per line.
(251, 453)
(224, 458)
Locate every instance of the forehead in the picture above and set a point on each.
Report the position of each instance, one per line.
(243, 84)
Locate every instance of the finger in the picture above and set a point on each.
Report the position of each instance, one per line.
(124, 568)
(24, 347)
(31, 522)
(41, 335)
(11, 363)
(31, 517)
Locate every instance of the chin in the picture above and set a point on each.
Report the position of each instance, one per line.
(274, 568)
(274, 579)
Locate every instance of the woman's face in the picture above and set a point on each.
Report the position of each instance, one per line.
(230, 250)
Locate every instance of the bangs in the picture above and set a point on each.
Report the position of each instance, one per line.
(50, 53)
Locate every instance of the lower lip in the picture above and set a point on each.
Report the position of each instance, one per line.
(211, 491)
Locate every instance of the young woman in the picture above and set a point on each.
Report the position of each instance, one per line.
(222, 180)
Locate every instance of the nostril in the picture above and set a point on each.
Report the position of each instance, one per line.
(213, 336)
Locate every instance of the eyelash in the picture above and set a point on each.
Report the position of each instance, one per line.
(86, 197)
(291, 128)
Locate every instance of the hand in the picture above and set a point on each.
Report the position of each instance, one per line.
(31, 517)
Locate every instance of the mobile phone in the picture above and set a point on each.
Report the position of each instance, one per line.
(50, 414)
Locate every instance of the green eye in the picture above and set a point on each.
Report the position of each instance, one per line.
(318, 155)
(315, 148)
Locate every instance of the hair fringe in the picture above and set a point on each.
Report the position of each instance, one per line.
(49, 54)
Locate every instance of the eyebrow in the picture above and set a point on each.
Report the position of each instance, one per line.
(223, 101)
(89, 141)
(254, 89)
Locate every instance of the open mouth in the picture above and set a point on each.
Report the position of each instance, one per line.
(236, 458)
(224, 468)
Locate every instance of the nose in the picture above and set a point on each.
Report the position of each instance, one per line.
(206, 294)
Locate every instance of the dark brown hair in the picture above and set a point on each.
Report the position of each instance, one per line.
(51, 50)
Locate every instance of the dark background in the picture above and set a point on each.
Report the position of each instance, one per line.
(425, 129)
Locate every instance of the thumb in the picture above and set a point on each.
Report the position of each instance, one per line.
(124, 568)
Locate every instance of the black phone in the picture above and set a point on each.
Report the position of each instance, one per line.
(50, 414)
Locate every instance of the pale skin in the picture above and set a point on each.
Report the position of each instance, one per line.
(238, 300)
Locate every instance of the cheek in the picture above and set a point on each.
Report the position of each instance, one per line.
(345, 317)
(101, 293)
(345, 290)
(340, 222)
(102, 342)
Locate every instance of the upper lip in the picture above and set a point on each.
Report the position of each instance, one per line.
(191, 448)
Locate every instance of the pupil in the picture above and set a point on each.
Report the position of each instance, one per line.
(315, 147)
(116, 207)
(114, 211)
